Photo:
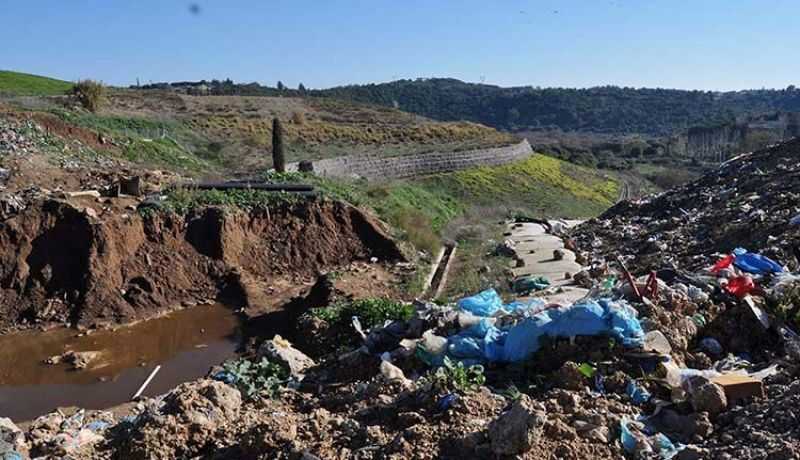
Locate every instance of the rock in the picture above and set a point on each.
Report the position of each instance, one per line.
(80, 359)
(559, 254)
(599, 434)
(691, 453)
(392, 373)
(707, 396)
(409, 419)
(656, 341)
(10, 205)
(282, 351)
(517, 430)
(570, 377)
(12, 440)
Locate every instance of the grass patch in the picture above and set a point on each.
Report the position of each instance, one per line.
(23, 84)
(114, 125)
(183, 200)
(539, 185)
(162, 151)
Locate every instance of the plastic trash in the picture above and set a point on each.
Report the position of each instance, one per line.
(723, 263)
(741, 286)
(629, 441)
(795, 220)
(666, 448)
(588, 317)
(711, 346)
(528, 307)
(485, 303)
(488, 303)
(639, 445)
(446, 401)
(638, 395)
(461, 346)
(526, 284)
(755, 263)
(587, 370)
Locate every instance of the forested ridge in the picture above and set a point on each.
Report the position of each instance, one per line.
(605, 109)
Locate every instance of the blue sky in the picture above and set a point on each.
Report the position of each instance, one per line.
(698, 44)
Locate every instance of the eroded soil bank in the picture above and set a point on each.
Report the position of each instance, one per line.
(83, 264)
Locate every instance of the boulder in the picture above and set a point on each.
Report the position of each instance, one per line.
(517, 430)
(281, 350)
(706, 396)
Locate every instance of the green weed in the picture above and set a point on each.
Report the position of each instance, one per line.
(254, 378)
(456, 377)
(370, 312)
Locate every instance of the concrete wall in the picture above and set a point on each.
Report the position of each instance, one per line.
(374, 166)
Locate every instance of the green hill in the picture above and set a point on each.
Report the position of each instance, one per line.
(23, 84)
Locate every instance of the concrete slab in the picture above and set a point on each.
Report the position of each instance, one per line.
(570, 295)
(534, 246)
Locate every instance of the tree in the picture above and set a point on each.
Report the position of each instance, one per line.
(278, 158)
(301, 88)
(281, 86)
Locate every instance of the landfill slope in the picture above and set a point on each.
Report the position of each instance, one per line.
(749, 202)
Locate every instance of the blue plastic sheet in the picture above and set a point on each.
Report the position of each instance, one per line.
(589, 317)
(485, 303)
(484, 341)
(665, 447)
(755, 263)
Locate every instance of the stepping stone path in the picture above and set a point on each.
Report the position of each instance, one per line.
(534, 246)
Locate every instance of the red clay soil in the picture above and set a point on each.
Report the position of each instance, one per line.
(60, 263)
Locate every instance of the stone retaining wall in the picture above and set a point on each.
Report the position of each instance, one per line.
(374, 166)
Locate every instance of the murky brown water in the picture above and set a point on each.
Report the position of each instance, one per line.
(185, 343)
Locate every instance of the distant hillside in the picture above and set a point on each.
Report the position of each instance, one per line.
(23, 84)
(606, 109)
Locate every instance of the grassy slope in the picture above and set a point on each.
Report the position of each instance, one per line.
(431, 207)
(31, 85)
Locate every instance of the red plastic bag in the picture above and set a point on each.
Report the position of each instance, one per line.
(740, 286)
(723, 263)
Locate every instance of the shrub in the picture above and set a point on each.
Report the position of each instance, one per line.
(90, 94)
(298, 118)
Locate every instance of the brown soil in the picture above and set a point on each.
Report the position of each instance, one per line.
(59, 263)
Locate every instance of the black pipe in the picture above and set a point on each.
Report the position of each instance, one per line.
(244, 185)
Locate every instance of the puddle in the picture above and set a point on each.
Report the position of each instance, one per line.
(185, 343)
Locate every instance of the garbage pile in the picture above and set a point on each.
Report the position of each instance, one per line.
(683, 347)
(20, 137)
(752, 201)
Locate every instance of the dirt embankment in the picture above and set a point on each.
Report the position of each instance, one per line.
(63, 263)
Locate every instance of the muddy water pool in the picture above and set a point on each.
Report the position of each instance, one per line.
(185, 343)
